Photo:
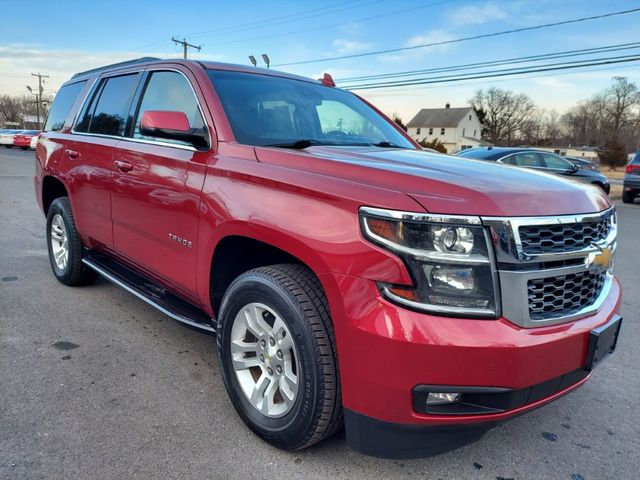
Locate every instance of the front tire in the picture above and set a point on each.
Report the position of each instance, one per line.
(276, 348)
(628, 197)
(65, 246)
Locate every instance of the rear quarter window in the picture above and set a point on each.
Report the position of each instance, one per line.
(61, 106)
(636, 159)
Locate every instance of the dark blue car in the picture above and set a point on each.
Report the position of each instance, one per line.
(538, 160)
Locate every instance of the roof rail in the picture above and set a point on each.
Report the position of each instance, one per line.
(116, 65)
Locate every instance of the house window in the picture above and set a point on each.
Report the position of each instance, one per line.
(463, 130)
(431, 131)
(466, 147)
(418, 131)
(474, 134)
(442, 131)
(469, 117)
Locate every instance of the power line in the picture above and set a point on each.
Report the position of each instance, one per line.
(500, 73)
(495, 63)
(303, 15)
(322, 27)
(463, 39)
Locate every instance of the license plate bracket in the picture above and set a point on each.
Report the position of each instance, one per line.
(602, 342)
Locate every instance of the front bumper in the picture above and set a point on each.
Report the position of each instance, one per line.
(386, 351)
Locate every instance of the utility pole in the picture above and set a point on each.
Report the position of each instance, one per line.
(39, 93)
(185, 45)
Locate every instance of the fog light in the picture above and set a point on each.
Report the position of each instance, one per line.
(443, 398)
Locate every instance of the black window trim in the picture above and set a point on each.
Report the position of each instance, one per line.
(137, 103)
(94, 93)
(96, 88)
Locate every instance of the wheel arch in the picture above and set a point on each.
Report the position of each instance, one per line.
(237, 253)
(52, 188)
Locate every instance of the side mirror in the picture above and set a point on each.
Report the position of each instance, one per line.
(173, 126)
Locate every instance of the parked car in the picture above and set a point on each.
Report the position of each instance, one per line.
(538, 160)
(631, 182)
(6, 137)
(23, 139)
(34, 142)
(583, 163)
(297, 222)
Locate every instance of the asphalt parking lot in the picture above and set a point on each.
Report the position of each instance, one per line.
(94, 383)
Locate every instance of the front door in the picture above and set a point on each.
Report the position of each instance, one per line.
(155, 189)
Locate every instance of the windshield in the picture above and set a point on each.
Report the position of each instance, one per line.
(265, 110)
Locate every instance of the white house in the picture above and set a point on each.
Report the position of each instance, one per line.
(457, 128)
(589, 153)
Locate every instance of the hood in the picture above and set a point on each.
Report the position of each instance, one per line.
(446, 184)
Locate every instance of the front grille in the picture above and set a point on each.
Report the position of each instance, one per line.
(563, 295)
(562, 238)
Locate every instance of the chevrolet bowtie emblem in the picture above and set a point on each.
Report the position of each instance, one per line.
(601, 259)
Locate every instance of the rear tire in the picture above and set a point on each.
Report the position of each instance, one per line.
(628, 197)
(273, 304)
(65, 246)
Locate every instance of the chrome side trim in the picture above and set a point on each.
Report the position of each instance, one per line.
(114, 280)
(421, 217)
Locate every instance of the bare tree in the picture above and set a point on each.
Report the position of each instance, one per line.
(620, 98)
(503, 113)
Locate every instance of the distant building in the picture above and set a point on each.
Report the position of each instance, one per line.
(588, 153)
(457, 128)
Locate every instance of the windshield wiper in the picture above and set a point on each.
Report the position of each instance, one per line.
(298, 144)
(385, 144)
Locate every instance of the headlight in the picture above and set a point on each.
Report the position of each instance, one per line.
(450, 260)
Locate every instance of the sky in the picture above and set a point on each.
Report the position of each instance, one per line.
(61, 38)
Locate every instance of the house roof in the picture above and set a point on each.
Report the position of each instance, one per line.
(439, 117)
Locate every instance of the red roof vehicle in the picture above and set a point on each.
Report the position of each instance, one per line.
(348, 275)
(23, 139)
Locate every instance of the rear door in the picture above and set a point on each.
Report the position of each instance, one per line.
(88, 153)
(156, 187)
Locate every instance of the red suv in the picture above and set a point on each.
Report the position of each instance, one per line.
(349, 276)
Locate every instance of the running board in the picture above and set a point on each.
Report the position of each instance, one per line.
(145, 289)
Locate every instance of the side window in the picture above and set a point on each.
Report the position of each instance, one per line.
(526, 159)
(553, 161)
(107, 114)
(61, 106)
(509, 160)
(169, 91)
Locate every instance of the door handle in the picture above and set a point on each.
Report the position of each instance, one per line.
(123, 166)
(72, 153)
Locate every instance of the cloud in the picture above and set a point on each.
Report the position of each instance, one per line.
(350, 46)
(477, 14)
(554, 83)
(17, 61)
(434, 36)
